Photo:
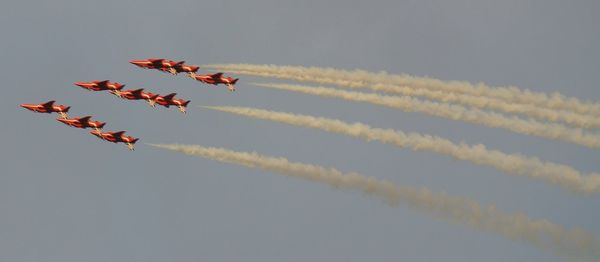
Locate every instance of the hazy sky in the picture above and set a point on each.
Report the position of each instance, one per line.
(67, 196)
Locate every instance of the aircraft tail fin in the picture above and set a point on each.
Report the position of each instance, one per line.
(85, 118)
(118, 134)
(49, 103)
(169, 96)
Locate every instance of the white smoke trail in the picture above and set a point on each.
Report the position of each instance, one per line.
(515, 164)
(406, 84)
(577, 120)
(455, 112)
(573, 244)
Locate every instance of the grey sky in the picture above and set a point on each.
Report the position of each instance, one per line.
(67, 196)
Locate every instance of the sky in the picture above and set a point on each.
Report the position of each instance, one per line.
(67, 196)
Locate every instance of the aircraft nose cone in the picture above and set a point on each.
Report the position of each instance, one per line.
(82, 84)
(137, 62)
(95, 132)
(26, 106)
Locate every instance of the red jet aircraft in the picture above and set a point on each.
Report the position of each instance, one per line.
(137, 94)
(169, 100)
(48, 108)
(116, 137)
(98, 85)
(82, 122)
(216, 79)
(183, 68)
(158, 63)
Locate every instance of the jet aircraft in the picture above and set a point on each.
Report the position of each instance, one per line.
(116, 137)
(169, 100)
(48, 107)
(82, 122)
(216, 79)
(138, 94)
(190, 69)
(159, 64)
(98, 85)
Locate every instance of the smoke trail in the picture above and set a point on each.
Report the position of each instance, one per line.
(577, 120)
(574, 244)
(454, 112)
(403, 83)
(515, 164)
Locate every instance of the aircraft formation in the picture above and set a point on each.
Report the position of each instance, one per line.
(137, 94)
(82, 122)
(116, 89)
(175, 68)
